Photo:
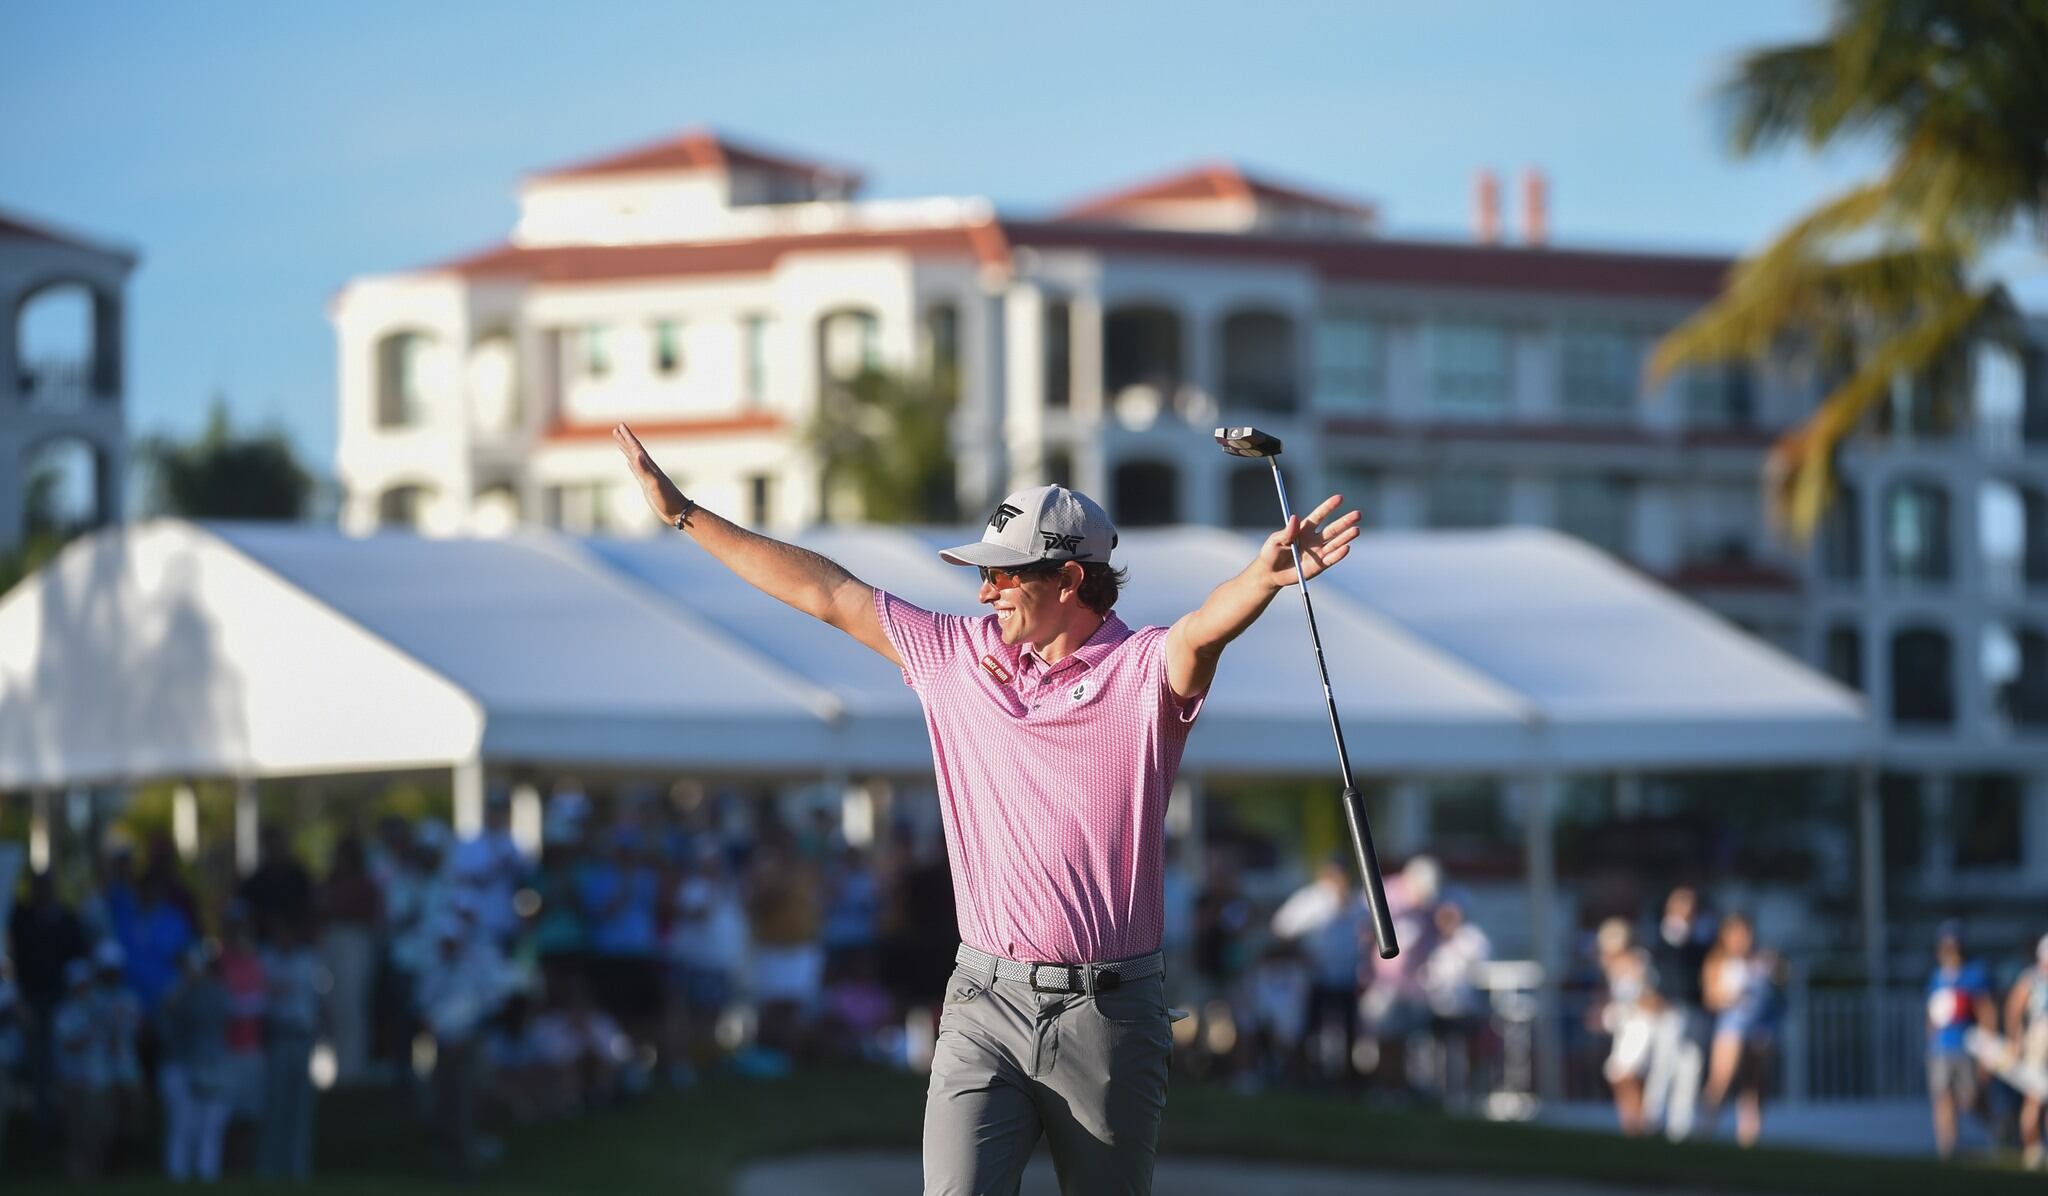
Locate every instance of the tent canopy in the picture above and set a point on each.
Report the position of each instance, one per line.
(171, 648)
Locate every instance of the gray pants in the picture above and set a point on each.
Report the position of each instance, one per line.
(1089, 1073)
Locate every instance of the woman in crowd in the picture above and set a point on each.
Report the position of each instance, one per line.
(1739, 993)
(1629, 1017)
(2026, 1028)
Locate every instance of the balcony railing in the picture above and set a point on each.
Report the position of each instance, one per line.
(58, 384)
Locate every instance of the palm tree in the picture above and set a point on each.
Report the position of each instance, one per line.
(883, 442)
(1883, 283)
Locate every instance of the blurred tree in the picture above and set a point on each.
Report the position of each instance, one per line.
(1883, 282)
(224, 476)
(884, 445)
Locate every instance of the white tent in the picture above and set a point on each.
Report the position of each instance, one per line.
(173, 649)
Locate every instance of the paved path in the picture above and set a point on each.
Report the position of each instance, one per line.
(901, 1175)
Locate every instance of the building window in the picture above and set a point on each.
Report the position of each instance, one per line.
(1254, 502)
(403, 359)
(849, 345)
(1259, 362)
(1350, 361)
(400, 506)
(754, 355)
(1059, 353)
(2014, 663)
(1602, 366)
(1722, 396)
(1360, 487)
(1146, 494)
(1141, 347)
(597, 359)
(1469, 372)
(1844, 656)
(760, 499)
(1841, 536)
(1987, 819)
(1923, 686)
(1466, 812)
(942, 340)
(1598, 509)
(1462, 498)
(1059, 467)
(1916, 532)
(668, 348)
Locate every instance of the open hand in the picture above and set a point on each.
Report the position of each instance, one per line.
(1322, 545)
(662, 495)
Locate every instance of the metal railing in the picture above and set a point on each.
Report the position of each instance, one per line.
(58, 384)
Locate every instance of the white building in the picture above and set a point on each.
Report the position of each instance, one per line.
(63, 441)
(708, 292)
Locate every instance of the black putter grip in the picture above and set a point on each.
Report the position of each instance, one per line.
(1369, 873)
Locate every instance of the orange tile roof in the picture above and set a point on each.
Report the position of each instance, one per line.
(1221, 180)
(700, 149)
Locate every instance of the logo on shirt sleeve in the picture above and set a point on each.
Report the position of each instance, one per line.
(995, 668)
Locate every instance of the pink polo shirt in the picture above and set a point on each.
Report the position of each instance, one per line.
(1052, 781)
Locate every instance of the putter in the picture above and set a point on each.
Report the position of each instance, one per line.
(1250, 442)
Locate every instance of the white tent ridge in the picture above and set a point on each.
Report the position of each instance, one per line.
(178, 649)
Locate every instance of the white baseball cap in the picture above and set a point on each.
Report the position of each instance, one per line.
(1042, 523)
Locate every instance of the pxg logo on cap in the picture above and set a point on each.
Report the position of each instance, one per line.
(1043, 523)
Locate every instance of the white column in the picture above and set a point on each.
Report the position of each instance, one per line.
(1408, 800)
(1540, 849)
(469, 797)
(245, 826)
(185, 822)
(1085, 344)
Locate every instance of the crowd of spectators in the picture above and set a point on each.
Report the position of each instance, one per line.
(643, 946)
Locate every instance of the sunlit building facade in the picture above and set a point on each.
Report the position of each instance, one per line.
(711, 294)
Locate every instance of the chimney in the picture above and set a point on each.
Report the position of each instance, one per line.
(1486, 206)
(1535, 207)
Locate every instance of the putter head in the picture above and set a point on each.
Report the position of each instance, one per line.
(1247, 442)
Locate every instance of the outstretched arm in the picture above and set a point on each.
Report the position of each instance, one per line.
(1195, 641)
(813, 584)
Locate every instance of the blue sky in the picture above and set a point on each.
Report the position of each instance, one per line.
(259, 155)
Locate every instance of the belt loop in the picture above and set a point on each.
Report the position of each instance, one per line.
(1088, 980)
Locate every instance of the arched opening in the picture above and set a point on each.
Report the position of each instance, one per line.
(2033, 535)
(1923, 680)
(2015, 668)
(1916, 540)
(493, 384)
(849, 345)
(1261, 366)
(1841, 536)
(1141, 346)
(1254, 502)
(406, 378)
(66, 488)
(402, 506)
(495, 511)
(66, 345)
(1145, 494)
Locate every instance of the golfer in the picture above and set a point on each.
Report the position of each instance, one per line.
(1056, 730)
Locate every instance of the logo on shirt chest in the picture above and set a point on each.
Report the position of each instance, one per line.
(1078, 692)
(995, 668)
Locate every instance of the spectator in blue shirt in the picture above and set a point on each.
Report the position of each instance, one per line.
(1958, 996)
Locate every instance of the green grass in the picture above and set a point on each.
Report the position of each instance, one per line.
(694, 1142)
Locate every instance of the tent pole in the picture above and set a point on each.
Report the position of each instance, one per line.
(245, 826)
(469, 798)
(39, 831)
(1540, 849)
(1876, 950)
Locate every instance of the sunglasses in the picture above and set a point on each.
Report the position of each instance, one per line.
(1008, 579)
